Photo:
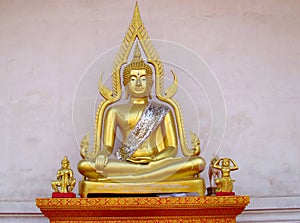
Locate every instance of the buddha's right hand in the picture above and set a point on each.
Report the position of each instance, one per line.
(100, 162)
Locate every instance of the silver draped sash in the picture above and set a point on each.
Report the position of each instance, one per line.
(149, 121)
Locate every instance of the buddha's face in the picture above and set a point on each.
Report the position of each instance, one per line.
(138, 85)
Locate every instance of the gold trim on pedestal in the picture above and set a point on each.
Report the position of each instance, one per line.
(197, 185)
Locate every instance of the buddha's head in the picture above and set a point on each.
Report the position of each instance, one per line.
(137, 76)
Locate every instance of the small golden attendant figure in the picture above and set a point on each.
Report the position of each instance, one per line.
(149, 131)
(213, 174)
(225, 183)
(65, 180)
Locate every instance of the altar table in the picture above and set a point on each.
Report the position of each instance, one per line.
(143, 209)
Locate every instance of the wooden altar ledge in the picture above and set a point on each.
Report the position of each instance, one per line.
(143, 209)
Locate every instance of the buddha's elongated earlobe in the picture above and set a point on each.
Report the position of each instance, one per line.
(127, 94)
(151, 84)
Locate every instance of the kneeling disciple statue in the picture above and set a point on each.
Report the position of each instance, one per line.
(65, 180)
(225, 183)
(146, 162)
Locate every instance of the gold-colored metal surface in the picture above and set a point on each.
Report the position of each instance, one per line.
(64, 178)
(225, 183)
(183, 186)
(149, 138)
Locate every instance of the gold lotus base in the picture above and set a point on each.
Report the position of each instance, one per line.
(188, 186)
(143, 209)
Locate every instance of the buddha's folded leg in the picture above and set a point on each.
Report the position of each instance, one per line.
(166, 169)
(118, 168)
(191, 168)
(163, 170)
(87, 169)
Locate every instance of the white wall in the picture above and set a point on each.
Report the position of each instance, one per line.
(251, 46)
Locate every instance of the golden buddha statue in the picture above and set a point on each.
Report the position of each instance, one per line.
(146, 161)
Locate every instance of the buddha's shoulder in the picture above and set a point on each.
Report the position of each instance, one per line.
(119, 108)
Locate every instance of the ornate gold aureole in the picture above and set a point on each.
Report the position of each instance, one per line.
(137, 31)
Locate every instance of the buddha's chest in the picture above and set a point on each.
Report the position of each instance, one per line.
(129, 117)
